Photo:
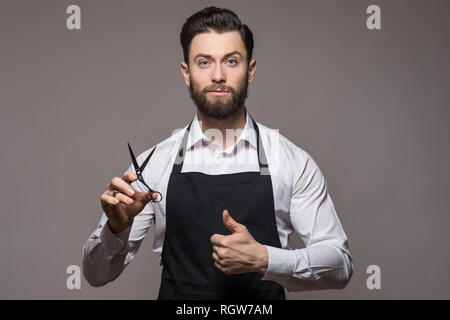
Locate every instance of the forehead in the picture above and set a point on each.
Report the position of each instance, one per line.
(217, 44)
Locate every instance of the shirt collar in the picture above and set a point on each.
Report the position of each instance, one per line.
(196, 134)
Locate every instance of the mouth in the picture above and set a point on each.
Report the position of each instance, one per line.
(219, 93)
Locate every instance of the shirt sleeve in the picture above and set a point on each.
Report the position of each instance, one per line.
(105, 254)
(325, 262)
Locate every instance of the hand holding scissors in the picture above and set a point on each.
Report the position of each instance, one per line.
(140, 169)
(121, 202)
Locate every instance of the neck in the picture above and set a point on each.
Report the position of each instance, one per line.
(235, 122)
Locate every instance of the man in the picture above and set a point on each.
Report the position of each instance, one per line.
(229, 204)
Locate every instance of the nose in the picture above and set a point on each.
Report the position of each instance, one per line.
(218, 74)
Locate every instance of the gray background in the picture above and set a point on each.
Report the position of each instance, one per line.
(371, 107)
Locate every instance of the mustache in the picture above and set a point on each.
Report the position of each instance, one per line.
(222, 88)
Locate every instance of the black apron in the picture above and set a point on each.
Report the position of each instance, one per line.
(194, 205)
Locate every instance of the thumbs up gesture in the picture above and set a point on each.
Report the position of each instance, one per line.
(239, 252)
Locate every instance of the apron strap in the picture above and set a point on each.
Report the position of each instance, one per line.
(263, 164)
(179, 159)
(262, 160)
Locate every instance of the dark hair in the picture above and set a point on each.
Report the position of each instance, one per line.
(218, 20)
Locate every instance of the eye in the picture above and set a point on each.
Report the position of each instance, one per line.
(232, 60)
(201, 63)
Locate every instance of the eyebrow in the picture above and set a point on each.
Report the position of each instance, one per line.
(210, 57)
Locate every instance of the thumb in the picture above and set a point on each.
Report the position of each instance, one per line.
(230, 223)
(148, 196)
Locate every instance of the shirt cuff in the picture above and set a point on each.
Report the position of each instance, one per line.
(114, 244)
(281, 262)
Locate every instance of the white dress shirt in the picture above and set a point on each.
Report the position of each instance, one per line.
(301, 200)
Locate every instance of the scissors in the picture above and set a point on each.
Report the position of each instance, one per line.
(139, 171)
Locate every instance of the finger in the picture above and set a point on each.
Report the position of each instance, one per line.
(129, 176)
(230, 223)
(215, 257)
(146, 197)
(216, 239)
(122, 197)
(218, 266)
(152, 196)
(109, 199)
(120, 185)
(216, 250)
(221, 252)
(219, 263)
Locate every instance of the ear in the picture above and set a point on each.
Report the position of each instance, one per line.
(185, 72)
(251, 70)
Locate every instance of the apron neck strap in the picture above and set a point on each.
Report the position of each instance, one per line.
(263, 165)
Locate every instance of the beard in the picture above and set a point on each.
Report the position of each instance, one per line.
(219, 107)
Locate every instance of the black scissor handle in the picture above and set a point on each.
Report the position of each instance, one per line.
(158, 198)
